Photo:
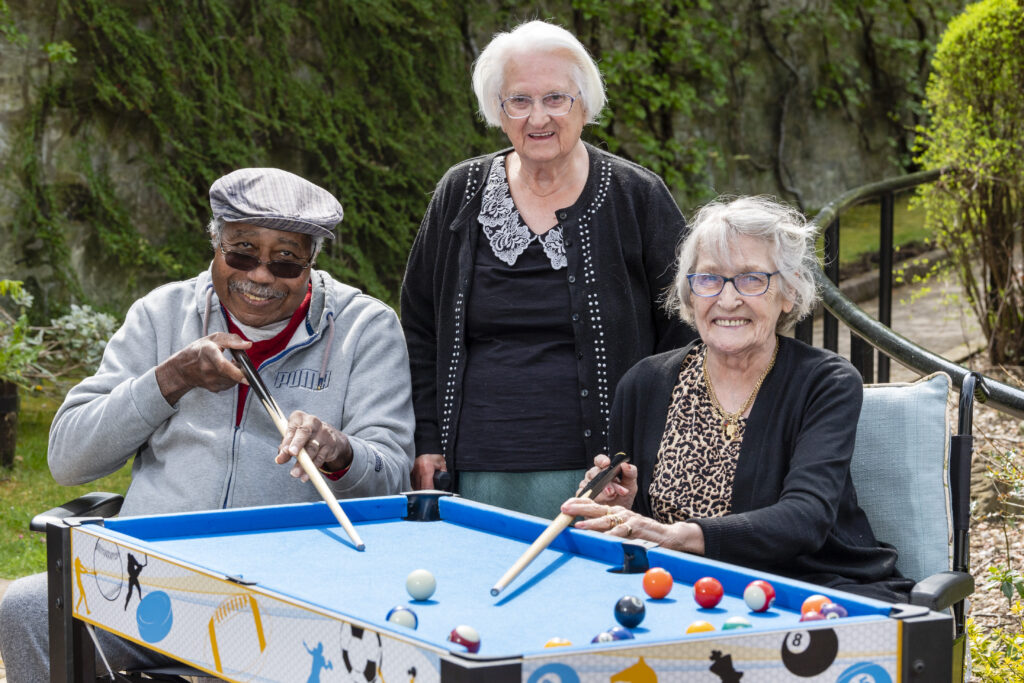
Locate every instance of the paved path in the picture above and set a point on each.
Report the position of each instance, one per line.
(930, 315)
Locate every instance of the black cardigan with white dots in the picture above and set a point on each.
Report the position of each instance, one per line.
(620, 241)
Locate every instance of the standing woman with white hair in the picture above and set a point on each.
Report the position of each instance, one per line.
(741, 442)
(534, 283)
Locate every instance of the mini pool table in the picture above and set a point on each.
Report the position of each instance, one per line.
(279, 593)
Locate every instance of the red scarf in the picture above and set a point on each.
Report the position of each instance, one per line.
(262, 350)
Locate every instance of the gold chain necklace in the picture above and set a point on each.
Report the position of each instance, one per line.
(730, 421)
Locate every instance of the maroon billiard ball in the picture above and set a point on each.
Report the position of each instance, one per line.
(465, 636)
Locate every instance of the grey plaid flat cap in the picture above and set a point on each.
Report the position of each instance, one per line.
(272, 198)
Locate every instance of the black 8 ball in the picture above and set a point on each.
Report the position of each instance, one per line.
(629, 611)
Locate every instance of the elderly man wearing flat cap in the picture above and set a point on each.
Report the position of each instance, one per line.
(167, 394)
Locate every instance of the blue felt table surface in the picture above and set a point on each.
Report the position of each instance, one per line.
(567, 592)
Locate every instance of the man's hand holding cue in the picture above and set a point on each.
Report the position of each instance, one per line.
(327, 447)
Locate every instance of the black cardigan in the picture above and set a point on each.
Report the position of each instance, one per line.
(620, 238)
(794, 510)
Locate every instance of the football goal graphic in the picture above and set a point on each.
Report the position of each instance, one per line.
(232, 622)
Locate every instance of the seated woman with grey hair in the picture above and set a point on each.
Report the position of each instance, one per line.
(741, 442)
(533, 283)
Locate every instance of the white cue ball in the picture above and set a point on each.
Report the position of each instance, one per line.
(421, 584)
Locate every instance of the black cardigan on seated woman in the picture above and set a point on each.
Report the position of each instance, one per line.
(794, 510)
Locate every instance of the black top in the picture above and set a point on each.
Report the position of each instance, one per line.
(520, 410)
(794, 510)
(620, 238)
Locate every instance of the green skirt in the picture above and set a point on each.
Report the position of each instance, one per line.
(534, 493)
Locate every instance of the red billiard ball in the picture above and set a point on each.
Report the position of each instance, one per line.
(707, 592)
(465, 636)
(629, 611)
(759, 595)
(814, 602)
(657, 582)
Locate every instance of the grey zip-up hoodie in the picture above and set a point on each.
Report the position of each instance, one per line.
(347, 365)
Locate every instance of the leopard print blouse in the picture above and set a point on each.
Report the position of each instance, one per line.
(694, 474)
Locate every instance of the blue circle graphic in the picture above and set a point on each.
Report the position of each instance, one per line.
(864, 672)
(154, 616)
(554, 673)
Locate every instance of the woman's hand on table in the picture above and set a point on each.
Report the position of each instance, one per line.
(616, 520)
(328, 448)
(620, 491)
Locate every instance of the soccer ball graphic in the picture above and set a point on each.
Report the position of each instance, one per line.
(360, 653)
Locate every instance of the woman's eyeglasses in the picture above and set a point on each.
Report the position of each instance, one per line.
(247, 262)
(521, 106)
(747, 284)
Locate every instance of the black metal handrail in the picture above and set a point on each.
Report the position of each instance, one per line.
(877, 333)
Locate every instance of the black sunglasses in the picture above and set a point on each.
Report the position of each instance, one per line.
(246, 262)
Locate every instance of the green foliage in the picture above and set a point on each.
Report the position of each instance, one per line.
(75, 341)
(372, 101)
(8, 29)
(60, 52)
(997, 656)
(338, 92)
(20, 345)
(976, 99)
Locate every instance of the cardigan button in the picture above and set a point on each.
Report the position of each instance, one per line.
(584, 393)
(586, 433)
(568, 242)
(572, 279)
(575, 317)
(562, 215)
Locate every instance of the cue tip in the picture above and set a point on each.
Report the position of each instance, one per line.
(361, 547)
(495, 591)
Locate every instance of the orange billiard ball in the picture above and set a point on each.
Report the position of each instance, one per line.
(814, 603)
(657, 582)
(708, 592)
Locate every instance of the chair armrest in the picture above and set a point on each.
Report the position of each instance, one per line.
(96, 504)
(943, 590)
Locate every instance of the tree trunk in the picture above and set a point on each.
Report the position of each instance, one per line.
(8, 422)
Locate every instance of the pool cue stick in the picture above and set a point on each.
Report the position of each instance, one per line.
(315, 476)
(559, 524)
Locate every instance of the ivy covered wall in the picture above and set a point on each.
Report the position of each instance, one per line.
(115, 117)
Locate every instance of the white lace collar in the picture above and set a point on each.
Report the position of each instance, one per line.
(505, 230)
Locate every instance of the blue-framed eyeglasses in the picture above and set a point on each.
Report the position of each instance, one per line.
(521, 106)
(754, 283)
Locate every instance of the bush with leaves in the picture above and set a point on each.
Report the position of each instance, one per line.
(976, 99)
(76, 341)
(20, 344)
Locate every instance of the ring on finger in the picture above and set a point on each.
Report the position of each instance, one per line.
(628, 529)
(615, 520)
